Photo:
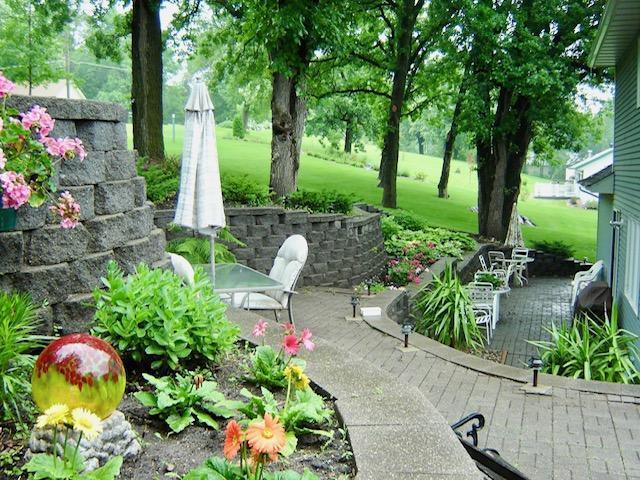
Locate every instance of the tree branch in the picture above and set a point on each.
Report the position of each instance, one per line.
(350, 91)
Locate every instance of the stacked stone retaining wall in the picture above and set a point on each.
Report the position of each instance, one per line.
(343, 250)
(62, 266)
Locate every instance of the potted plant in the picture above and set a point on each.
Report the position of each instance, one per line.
(28, 161)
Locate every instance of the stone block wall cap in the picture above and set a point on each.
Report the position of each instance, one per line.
(325, 217)
(231, 211)
(66, 109)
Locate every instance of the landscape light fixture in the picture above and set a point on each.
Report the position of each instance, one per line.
(369, 283)
(355, 301)
(406, 330)
(536, 364)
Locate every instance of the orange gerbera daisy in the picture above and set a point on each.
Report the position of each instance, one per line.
(233, 440)
(266, 436)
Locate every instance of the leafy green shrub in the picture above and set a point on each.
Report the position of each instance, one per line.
(153, 315)
(267, 368)
(163, 181)
(404, 173)
(446, 313)
(555, 247)
(591, 205)
(225, 124)
(407, 220)
(376, 287)
(18, 327)
(238, 127)
(184, 399)
(592, 350)
(217, 468)
(489, 277)
(197, 250)
(243, 191)
(320, 202)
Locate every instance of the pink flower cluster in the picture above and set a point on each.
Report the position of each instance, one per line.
(6, 87)
(3, 160)
(290, 343)
(37, 120)
(66, 148)
(15, 191)
(68, 210)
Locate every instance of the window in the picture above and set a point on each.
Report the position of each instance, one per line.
(632, 265)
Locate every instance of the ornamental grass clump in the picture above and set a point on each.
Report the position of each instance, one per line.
(152, 316)
(591, 349)
(446, 313)
(29, 158)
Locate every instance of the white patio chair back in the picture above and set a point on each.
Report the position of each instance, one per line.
(582, 279)
(519, 252)
(496, 259)
(483, 317)
(288, 265)
(182, 268)
(483, 264)
(481, 294)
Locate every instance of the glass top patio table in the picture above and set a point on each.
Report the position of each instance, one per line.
(236, 278)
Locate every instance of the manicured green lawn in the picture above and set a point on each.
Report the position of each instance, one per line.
(554, 219)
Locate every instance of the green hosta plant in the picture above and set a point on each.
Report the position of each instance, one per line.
(216, 468)
(186, 399)
(152, 314)
(446, 313)
(592, 350)
(18, 326)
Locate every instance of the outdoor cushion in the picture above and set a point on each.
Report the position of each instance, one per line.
(287, 265)
(257, 301)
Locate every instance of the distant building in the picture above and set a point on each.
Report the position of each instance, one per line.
(575, 172)
(618, 45)
(54, 89)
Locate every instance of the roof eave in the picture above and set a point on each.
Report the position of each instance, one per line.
(602, 32)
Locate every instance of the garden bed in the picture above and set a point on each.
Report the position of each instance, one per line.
(165, 452)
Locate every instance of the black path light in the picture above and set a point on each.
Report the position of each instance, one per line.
(355, 301)
(535, 364)
(369, 283)
(405, 329)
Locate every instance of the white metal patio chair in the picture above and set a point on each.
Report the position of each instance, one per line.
(582, 279)
(286, 269)
(483, 319)
(496, 259)
(483, 264)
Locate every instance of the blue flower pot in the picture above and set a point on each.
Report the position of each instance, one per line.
(7, 219)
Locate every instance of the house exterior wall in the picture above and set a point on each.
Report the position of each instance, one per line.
(605, 232)
(627, 170)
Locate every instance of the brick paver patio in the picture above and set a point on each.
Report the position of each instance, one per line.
(524, 313)
(568, 435)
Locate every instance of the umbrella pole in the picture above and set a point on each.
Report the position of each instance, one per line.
(212, 239)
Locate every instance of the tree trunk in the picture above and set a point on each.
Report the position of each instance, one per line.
(449, 143)
(245, 116)
(288, 115)
(391, 147)
(420, 140)
(146, 86)
(348, 137)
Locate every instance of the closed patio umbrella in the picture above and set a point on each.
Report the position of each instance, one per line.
(514, 232)
(200, 204)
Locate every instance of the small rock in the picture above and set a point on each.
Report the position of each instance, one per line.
(169, 467)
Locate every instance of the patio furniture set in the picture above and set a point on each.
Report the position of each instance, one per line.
(485, 296)
(243, 287)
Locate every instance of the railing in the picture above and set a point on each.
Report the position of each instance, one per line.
(556, 190)
(488, 460)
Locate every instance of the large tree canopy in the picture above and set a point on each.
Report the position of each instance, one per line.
(527, 60)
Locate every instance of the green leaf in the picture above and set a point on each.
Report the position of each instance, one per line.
(108, 471)
(290, 444)
(43, 466)
(146, 398)
(177, 422)
(206, 419)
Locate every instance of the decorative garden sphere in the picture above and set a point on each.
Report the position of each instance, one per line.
(79, 370)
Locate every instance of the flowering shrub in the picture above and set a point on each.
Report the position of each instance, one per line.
(28, 157)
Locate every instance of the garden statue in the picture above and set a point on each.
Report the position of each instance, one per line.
(80, 373)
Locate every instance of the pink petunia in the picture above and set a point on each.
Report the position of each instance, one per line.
(38, 120)
(6, 87)
(290, 345)
(3, 160)
(15, 191)
(259, 328)
(305, 339)
(68, 210)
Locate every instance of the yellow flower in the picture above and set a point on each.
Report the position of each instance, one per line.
(86, 422)
(295, 374)
(56, 414)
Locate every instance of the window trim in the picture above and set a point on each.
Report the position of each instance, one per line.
(632, 264)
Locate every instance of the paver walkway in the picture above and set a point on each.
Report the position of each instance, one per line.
(568, 435)
(525, 312)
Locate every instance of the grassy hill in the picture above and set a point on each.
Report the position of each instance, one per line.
(554, 219)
